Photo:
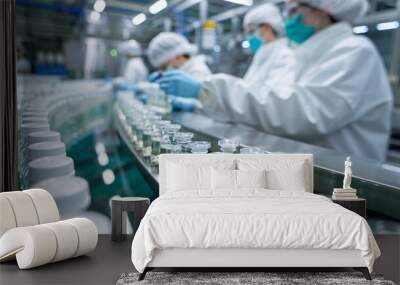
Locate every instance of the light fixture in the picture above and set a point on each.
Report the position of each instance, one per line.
(99, 6)
(114, 52)
(94, 17)
(100, 147)
(241, 2)
(360, 29)
(138, 19)
(158, 6)
(108, 176)
(245, 44)
(103, 159)
(387, 26)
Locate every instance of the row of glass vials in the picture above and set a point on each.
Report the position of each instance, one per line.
(152, 135)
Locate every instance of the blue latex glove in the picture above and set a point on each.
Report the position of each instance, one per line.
(181, 104)
(179, 84)
(156, 75)
(143, 98)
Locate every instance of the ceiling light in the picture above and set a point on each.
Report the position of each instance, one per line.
(94, 17)
(138, 19)
(245, 44)
(387, 26)
(158, 6)
(99, 5)
(360, 29)
(241, 2)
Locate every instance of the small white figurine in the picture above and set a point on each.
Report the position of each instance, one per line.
(347, 174)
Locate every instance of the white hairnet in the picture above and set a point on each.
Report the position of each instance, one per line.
(166, 46)
(131, 47)
(265, 14)
(343, 10)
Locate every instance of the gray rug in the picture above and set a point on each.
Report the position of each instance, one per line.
(243, 278)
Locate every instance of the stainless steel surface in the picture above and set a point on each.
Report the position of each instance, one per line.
(365, 169)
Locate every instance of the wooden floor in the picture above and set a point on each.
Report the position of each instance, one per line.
(110, 260)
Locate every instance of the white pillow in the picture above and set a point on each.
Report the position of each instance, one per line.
(251, 178)
(223, 179)
(183, 177)
(294, 181)
(226, 179)
(282, 173)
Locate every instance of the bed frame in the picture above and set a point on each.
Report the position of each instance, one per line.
(242, 259)
(245, 258)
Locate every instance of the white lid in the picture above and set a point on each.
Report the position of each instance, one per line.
(43, 149)
(34, 127)
(102, 222)
(34, 114)
(70, 193)
(49, 167)
(37, 119)
(43, 136)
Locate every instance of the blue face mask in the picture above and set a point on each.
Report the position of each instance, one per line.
(255, 43)
(296, 30)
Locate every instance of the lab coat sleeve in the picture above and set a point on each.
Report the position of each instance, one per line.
(281, 70)
(132, 75)
(322, 102)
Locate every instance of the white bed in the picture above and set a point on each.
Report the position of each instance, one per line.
(220, 216)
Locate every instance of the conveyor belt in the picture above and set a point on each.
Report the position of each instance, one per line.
(378, 182)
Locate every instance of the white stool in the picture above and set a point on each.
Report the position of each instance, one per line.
(70, 193)
(31, 233)
(42, 149)
(49, 167)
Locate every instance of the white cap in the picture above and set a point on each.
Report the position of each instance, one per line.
(265, 14)
(166, 46)
(131, 47)
(343, 10)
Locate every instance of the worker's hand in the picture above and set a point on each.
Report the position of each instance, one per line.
(182, 104)
(179, 84)
(143, 98)
(153, 77)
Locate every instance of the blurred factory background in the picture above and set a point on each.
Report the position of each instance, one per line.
(67, 50)
(63, 32)
(79, 39)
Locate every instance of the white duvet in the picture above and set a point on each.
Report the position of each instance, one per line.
(250, 219)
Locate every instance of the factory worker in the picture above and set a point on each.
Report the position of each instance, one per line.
(172, 51)
(340, 97)
(135, 70)
(273, 59)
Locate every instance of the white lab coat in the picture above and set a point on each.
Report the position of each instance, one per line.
(340, 97)
(135, 71)
(272, 62)
(196, 67)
